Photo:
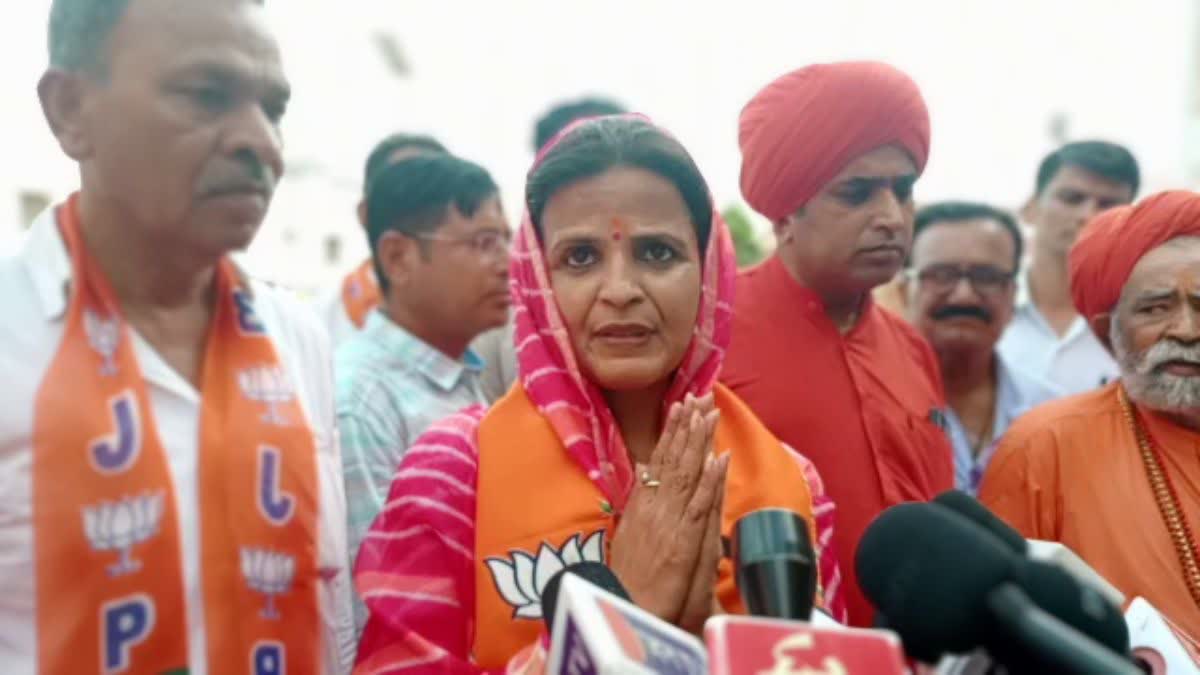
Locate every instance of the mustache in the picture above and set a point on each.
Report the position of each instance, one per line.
(1167, 351)
(954, 311)
(243, 173)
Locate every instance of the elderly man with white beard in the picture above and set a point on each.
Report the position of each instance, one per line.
(1115, 474)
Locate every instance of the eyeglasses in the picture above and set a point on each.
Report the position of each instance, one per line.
(987, 280)
(485, 243)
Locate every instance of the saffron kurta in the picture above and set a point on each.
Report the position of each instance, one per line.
(1070, 471)
(865, 407)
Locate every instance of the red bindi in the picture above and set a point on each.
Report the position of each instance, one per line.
(617, 229)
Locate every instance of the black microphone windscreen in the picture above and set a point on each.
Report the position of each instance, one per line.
(1075, 604)
(969, 507)
(929, 572)
(598, 574)
(775, 565)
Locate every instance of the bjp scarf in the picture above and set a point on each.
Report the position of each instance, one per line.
(360, 293)
(110, 588)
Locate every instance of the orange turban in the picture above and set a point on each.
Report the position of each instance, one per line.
(801, 130)
(1112, 243)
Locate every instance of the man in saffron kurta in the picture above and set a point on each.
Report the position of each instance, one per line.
(830, 155)
(1082, 470)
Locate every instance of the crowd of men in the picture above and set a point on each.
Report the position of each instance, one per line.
(167, 413)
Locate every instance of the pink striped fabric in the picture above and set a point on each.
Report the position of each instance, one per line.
(415, 570)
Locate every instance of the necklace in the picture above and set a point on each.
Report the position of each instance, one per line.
(1167, 499)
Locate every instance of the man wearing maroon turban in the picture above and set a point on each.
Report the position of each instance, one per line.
(830, 154)
(1114, 474)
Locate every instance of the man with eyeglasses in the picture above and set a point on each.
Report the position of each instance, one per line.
(439, 242)
(346, 307)
(960, 289)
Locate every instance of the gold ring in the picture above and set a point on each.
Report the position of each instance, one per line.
(649, 482)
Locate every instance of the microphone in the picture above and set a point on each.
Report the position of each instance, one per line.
(744, 645)
(1079, 606)
(775, 564)
(595, 629)
(1046, 551)
(776, 571)
(595, 573)
(1157, 644)
(946, 587)
(970, 508)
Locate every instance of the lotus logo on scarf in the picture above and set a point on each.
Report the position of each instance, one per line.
(104, 335)
(270, 385)
(119, 526)
(521, 579)
(269, 573)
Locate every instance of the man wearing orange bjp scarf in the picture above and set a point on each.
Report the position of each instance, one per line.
(830, 154)
(171, 493)
(1114, 474)
(616, 445)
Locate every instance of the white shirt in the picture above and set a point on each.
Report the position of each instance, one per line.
(332, 311)
(1075, 363)
(33, 295)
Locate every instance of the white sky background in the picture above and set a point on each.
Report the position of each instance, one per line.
(993, 74)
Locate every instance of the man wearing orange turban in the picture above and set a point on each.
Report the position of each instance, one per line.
(1114, 474)
(830, 154)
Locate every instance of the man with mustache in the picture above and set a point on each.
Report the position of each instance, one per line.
(439, 242)
(1046, 334)
(959, 291)
(1114, 474)
(830, 154)
(172, 497)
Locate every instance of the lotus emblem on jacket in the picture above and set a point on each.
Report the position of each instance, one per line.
(521, 579)
(118, 526)
(269, 573)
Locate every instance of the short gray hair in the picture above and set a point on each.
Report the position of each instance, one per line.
(79, 32)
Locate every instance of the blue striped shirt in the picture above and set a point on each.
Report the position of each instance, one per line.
(391, 386)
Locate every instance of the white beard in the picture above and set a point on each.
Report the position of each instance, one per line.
(1157, 390)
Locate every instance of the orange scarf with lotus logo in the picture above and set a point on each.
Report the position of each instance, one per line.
(537, 511)
(360, 293)
(110, 589)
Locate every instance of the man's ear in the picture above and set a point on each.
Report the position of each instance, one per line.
(1101, 325)
(783, 227)
(62, 95)
(362, 213)
(396, 256)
